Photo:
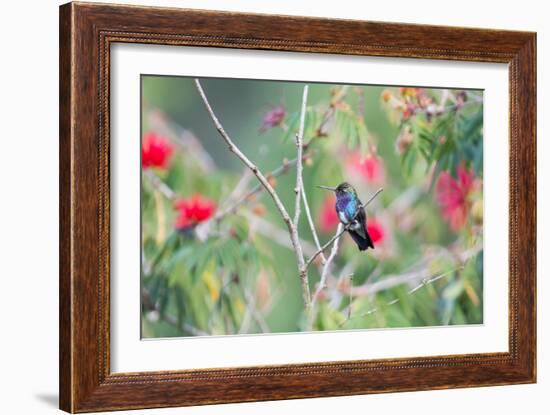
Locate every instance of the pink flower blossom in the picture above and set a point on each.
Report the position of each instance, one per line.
(328, 219)
(370, 168)
(273, 118)
(452, 196)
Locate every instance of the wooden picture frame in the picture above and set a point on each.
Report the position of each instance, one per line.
(86, 33)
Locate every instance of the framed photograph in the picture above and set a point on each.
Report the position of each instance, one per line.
(254, 208)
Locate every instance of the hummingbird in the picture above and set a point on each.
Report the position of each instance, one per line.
(351, 213)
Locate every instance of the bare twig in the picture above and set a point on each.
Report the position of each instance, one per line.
(241, 186)
(326, 268)
(338, 234)
(251, 313)
(368, 202)
(443, 100)
(232, 208)
(350, 296)
(275, 233)
(331, 110)
(390, 281)
(152, 308)
(423, 276)
(439, 109)
(184, 138)
(189, 142)
(312, 225)
(232, 205)
(265, 183)
(299, 189)
(246, 161)
(423, 283)
(160, 185)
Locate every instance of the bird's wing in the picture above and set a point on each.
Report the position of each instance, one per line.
(361, 218)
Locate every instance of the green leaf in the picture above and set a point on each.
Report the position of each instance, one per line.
(204, 258)
(408, 160)
(293, 121)
(453, 290)
(471, 126)
(180, 304)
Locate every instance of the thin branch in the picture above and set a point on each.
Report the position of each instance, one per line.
(232, 207)
(251, 313)
(241, 187)
(340, 232)
(265, 183)
(326, 267)
(275, 233)
(160, 185)
(435, 110)
(312, 225)
(299, 189)
(423, 283)
(331, 110)
(188, 141)
(232, 204)
(368, 202)
(390, 281)
(184, 138)
(246, 161)
(233, 200)
(152, 308)
(350, 296)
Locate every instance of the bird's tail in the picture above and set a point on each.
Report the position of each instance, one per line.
(362, 243)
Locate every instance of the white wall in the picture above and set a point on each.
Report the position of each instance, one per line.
(28, 217)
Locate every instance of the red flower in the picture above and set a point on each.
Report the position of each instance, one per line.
(371, 168)
(376, 231)
(328, 219)
(194, 210)
(155, 151)
(273, 118)
(452, 196)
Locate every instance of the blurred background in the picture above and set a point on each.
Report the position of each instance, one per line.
(216, 255)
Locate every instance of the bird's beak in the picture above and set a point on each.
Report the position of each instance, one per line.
(328, 188)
